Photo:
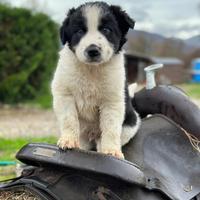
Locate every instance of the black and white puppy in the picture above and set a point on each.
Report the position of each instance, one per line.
(90, 94)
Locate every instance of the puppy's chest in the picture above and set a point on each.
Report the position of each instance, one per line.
(88, 96)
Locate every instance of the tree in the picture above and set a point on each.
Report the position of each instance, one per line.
(28, 53)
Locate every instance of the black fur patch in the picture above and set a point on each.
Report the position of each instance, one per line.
(73, 28)
(108, 26)
(114, 24)
(130, 118)
(124, 22)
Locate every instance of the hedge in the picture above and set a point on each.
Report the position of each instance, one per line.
(28, 53)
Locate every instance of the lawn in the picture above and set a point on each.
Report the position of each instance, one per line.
(42, 101)
(192, 89)
(8, 149)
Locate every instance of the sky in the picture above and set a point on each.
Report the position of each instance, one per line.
(172, 18)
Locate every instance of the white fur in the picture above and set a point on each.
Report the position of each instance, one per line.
(89, 100)
(93, 36)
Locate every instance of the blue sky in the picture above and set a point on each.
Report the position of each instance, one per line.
(172, 18)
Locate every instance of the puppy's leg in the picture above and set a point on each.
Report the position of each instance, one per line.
(111, 119)
(65, 109)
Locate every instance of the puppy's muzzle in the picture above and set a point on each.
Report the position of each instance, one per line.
(93, 53)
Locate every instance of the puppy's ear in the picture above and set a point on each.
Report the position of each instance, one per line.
(124, 22)
(123, 19)
(63, 29)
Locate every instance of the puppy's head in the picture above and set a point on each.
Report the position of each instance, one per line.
(95, 31)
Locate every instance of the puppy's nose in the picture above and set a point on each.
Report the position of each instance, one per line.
(93, 52)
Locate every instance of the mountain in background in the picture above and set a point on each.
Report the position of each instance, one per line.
(194, 41)
(152, 44)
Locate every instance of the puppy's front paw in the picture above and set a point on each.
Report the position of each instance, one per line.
(66, 142)
(115, 153)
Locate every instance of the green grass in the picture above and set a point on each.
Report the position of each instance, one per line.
(192, 89)
(42, 101)
(9, 147)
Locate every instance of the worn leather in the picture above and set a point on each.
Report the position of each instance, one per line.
(166, 157)
(57, 184)
(45, 155)
(160, 157)
(171, 102)
(160, 164)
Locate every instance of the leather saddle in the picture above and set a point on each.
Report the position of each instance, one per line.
(161, 163)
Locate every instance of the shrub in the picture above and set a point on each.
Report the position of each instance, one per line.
(28, 53)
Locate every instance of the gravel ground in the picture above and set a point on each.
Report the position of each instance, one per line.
(17, 122)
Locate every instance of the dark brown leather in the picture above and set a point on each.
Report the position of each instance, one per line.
(171, 102)
(166, 157)
(39, 154)
(161, 160)
(162, 155)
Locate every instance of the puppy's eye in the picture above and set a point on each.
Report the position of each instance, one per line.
(80, 32)
(106, 31)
